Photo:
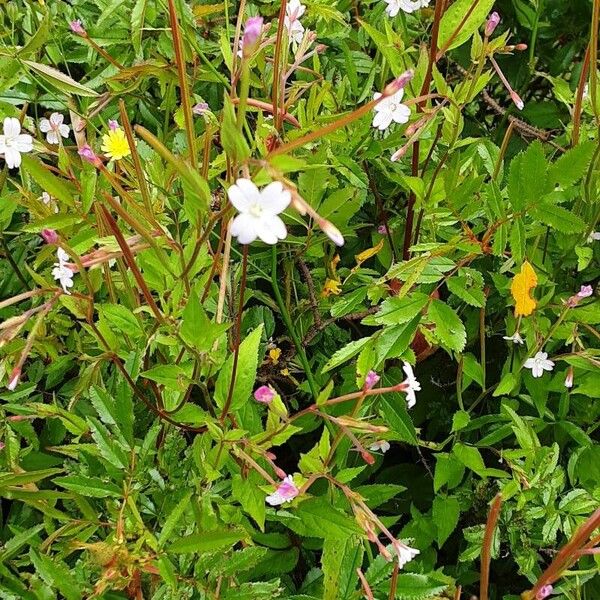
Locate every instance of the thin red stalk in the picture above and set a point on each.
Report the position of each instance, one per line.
(452, 37)
(394, 582)
(365, 584)
(276, 64)
(486, 548)
(410, 207)
(238, 326)
(585, 67)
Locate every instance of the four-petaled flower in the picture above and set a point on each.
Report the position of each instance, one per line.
(62, 272)
(286, 491)
(13, 143)
(380, 446)
(264, 394)
(412, 385)
(115, 144)
(538, 364)
(293, 11)
(390, 109)
(54, 128)
(408, 6)
(515, 338)
(259, 210)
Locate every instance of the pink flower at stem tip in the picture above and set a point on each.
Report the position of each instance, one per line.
(251, 37)
(77, 27)
(286, 491)
(49, 236)
(264, 394)
(371, 380)
(492, 23)
(544, 592)
(88, 155)
(113, 125)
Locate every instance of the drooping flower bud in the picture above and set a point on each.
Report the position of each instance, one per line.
(88, 155)
(49, 236)
(13, 380)
(332, 232)
(517, 100)
(492, 23)
(569, 378)
(398, 83)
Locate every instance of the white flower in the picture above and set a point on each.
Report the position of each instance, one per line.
(405, 553)
(54, 128)
(515, 338)
(594, 237)
(408, 6)
(13, 143)
(380, 446)
(258, 211)
(412, 383)
(47, 200)
(293, 11)
(538, 364)
(61, 272)
(390, 109)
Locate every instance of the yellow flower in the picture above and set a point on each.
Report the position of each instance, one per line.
(274, 354)
(521, 287)
(114, 144)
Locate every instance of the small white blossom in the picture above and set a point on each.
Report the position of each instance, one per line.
(47, 200)
(404, 553)
(380, 446)
(515, 338)
(293, 11)
(258, 211)
(54, 128)
(408, 6)
(13, 143)
(594, 237)
(412, 383)
(538, 364)
(61, 272)
(390, 109)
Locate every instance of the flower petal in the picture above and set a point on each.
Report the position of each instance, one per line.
(12, 157)
(52, 137)
(45, 125)
(243, 194)
(24, 143)
(64, 130)
(274, 198)
(12, 127)
(401, 114)
(243, 227)
(56, 119)
(265, 231)
(382, 120)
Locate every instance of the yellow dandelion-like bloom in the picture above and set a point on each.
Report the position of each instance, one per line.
(114, 144)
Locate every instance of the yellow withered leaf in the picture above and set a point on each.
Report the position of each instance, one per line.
(521, 287)
(368, 253)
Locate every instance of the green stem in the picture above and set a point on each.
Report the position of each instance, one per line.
(244, 90)
(290, 326)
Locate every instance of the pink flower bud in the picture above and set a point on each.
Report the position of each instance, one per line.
(569, 378)
(113, 125)
(521, 47)
(280, 473)
(367, 457)
(544, 592)
(382, 229)
(398, 83)
(492, 23)
(252, 34)
(332, 232)
(77, 27)
(399, 153)
(586, 291)
(200, 108)
(264, 394)
(88, 155)
(13, 380)
(49, 236)
(371, 380)
(517, 100)
(271, 455)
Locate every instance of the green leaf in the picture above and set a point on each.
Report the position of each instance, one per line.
(245, 375)
(174, 519)
(452, 21)
(137, 23)
(248, 494)
(506, 385)
(446, 512)
(197, 329)
(13, 479)
(527, 181)
(54, 572)
(468, 286)
(393, 409)
(449, 329)
(448, 471)
(395, 311)
(460, 420)
(320, 519)
(173, 377)
(345, 353)
(470, 457)
(120, 318)
(109, 448)
(234, 143)
(411, 586)
(91, 487)
(339, 561)
(55, 186)
(557, 217)
(207, 541)
(59, 80)
(572, 165)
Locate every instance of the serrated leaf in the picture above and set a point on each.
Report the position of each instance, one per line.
(446, 512)
(59, 80)
(55, 186)
(346, 353)
(571, 166)
(207, 541)
(174, 519)
(557, 217)
(320, 519)
(395, 311)
(454, 21)
(89, 486)
(449, 329)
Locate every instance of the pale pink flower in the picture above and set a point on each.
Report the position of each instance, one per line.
(264, 394)
(382, 229)
(286, 491)
(492, 23)
(371, 380)
(13, 143)
(389, 110)
(404, 553)
(380, 446)
(515, 338)
(54, 128)
(586, 291)
(77, 27)
(200, 108)
(251, 38)
(49, 236)
(538, 364)
(113, 125)
(88, 154)
(544, 592)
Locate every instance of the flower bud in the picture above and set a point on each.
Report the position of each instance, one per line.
(49, 236)
(200, 108)
(569, 378)
(332, 232)
(492, 23)
(399, 153)
(264, 394)
(13, 380)
(88, 155)
(544, 592)
(517, 100)
(398, 83)
(367, 457)
(280, 473)
(521, 47)
(252, 34)
(113, 125)
(77, 27)
(371, 380)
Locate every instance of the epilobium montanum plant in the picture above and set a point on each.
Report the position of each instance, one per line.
(299, 299)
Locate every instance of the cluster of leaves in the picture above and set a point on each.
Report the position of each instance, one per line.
(135, 460)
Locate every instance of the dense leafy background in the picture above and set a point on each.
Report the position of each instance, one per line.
(118, 476)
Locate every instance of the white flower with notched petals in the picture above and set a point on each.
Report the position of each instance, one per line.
(408, 6)
(54, 128)
(62, 272)
(412, 383)
(390, 109)
(538, 364)
(404, 553)
(13, 143)
(293, 11)
(258, 211)
(380, 446)
(515, 338)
